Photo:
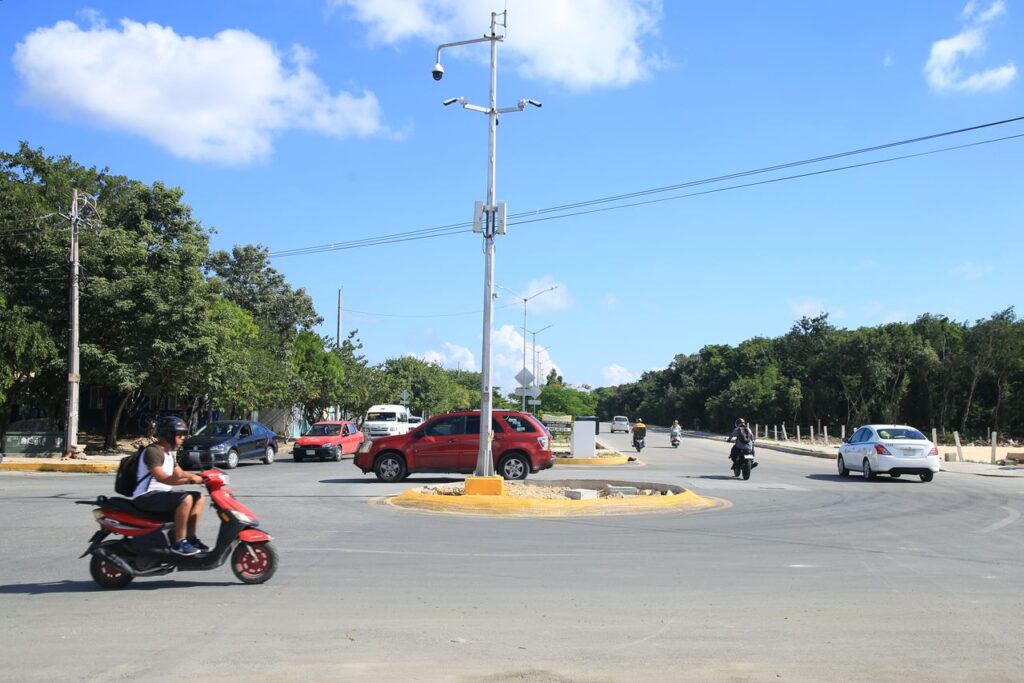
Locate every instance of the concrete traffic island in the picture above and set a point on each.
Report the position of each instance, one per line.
(558, 498)
(603, 459)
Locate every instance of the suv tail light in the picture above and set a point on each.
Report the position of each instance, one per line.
(543, 441)
(880, 449)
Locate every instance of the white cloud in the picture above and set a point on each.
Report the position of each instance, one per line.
(582, 44)
(615, 375)
(887, 61)
(943, 71)
(972, 271)
(219, 98)
(453, 356)
(806, 307)
(610, 300)
(507, 358)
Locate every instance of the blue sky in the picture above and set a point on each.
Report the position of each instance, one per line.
(300, 123)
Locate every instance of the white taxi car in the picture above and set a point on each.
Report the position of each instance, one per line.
(888, 449)
(620, 423)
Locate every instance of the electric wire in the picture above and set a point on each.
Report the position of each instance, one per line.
(456, 228)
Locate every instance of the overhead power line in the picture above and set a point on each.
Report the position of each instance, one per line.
(532, 216)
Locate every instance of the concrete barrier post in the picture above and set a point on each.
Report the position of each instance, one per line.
(776, 432)
(842, 433)
(993, 458)
(798, 433)
(825, 428)
(935, 437)
(959, 448)
(784, 437)
(812, 433)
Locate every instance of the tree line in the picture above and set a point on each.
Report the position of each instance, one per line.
(163, 315)
(932, 373)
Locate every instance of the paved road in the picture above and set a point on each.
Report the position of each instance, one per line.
(805, 577)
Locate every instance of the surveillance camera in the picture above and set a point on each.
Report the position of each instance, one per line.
(534, 103)
(437, 71)
(453, 100)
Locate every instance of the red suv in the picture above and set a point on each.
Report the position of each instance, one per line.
(449, 443)
(328, 440)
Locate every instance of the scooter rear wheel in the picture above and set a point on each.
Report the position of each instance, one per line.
(254, 562)
(107, 574)
(746, 471)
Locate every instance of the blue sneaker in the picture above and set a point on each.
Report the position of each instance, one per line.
(198, 545)
(183, 547)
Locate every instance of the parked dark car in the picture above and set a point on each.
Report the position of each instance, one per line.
(229, 442)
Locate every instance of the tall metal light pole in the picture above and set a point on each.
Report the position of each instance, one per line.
(79, 203)
(487, 216)
(535, 333)
(525, 299)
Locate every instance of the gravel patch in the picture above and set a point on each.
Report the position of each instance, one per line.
(531, 491)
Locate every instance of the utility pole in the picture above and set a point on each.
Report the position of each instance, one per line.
(78, 205)
(491, 221)
(337, 338)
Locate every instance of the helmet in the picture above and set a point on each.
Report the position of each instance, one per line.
(740, 421)
(639, 419)
(170, 425)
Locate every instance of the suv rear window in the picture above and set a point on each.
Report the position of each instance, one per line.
(519, 424)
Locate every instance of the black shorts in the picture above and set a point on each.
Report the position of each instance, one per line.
(163, 501)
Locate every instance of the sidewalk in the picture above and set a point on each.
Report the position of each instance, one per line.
(94, 464)
(831, 452)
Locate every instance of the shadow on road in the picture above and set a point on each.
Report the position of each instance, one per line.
(709, 476)
(91, 587)
(857, 478)
(414, 482)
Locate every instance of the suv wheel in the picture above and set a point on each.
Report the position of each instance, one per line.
(390, 467)
(513, 467)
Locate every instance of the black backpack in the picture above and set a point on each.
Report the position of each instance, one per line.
(127, 478)
(746, 436)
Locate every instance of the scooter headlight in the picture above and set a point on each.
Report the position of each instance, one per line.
(242, 517)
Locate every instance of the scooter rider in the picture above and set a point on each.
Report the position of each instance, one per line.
(639, 430)
(744, 441)
(158, 472)
(676, 429)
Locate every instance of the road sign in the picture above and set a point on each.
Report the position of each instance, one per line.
(527, 391)
(524, 377)
(404, 397)
(534, 402)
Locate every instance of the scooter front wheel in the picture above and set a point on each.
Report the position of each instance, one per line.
(254, 562)
(107, 574)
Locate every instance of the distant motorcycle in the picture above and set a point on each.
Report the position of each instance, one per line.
(639, 442)
(676, 437)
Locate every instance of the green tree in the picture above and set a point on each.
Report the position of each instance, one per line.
(319, 375)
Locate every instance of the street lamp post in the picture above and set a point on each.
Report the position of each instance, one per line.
(489, 227)
(534, 342)
(525, 299)
(536, 362)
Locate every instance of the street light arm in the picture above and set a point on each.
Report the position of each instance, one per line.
(467, 42)
(543, 291)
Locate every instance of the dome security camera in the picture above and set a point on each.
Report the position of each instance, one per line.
(437, 71)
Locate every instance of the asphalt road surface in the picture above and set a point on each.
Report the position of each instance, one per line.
(805, 577)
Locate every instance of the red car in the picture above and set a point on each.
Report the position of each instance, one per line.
(328, 440)
(449, 443)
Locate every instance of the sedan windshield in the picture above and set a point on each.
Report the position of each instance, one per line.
(218, 429)
(900, 434)
(382, 417)
(323, 430)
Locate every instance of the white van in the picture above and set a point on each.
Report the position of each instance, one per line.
(386, 420)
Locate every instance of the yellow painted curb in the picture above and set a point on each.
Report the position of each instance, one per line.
(687, 501)
(611, 460)
(87, 468)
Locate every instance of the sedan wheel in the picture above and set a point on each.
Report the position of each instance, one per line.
(268, 458)
(868, 473)
(927, 476)
(843, 471)
(232, 461)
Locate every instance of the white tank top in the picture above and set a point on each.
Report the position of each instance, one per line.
(148, 483)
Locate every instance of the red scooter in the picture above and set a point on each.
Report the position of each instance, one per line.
(144, 549)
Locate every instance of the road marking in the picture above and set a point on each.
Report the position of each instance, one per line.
(803, 566)
(1007, 521)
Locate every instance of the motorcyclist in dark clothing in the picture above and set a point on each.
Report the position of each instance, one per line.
(744, 443)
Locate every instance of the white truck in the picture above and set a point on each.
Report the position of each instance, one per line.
(386, 420)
